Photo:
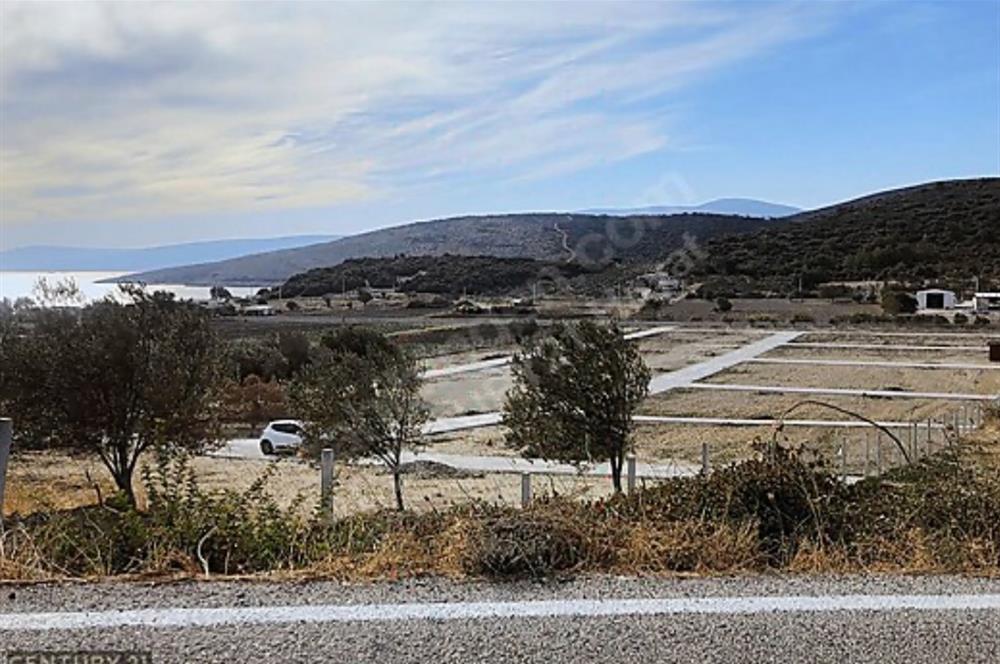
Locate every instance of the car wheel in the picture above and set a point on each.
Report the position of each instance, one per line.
(266, 448)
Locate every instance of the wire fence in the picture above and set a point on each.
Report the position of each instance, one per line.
(39, 481)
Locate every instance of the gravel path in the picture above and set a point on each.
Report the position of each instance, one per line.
(893, 635)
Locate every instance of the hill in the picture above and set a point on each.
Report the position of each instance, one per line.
(586, 239)
(59, 258)
(745, 207)
(946, 232)
(445, 275)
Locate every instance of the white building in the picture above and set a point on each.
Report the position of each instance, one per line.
(984, 302)
(935, 299)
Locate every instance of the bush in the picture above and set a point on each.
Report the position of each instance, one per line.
(517, 544)
(777, 511)
(897, 302)
(960, 319)
(723, 305)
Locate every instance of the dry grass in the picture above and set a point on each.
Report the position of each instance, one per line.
(976, 381)
(771, 513)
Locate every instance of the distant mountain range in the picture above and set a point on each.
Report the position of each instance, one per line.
(933, 229)
(745, 207)
(58, 258)
(588, 239)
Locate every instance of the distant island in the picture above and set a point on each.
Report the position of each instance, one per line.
(52, 258)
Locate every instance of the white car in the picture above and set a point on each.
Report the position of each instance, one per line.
(282, 436)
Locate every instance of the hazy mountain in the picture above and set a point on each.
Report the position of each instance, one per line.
(57, 258)
(542, 236)
(746, 207)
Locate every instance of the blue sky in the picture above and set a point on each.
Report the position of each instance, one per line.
(132, 125)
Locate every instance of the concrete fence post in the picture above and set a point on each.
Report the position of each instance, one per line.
(878, 452)
(704, 459)
(326, 481)
(6, 440)
(843, 460)
(630, 466)
(868, 455)
(525, 489)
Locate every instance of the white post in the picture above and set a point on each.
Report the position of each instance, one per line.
(704, 459)
(6, 438)
(525, 489)
(843, 460)
(630, 461)
(878, 451)
(326, 481)
(868, 454)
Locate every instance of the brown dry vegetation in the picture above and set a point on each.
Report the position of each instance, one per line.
(778, 511)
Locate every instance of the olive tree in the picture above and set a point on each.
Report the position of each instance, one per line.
(574, 396)
(113, 378)
(362, 398)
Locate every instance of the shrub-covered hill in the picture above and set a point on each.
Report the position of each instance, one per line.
(449, 274)
(942, 231)
(590, 239)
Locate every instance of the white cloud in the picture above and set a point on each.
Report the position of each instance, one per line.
(130, 110)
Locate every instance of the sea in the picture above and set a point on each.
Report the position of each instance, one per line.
(22, 284)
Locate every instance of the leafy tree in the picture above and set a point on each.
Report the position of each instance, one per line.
(114, 378)
(363, 400)
(296, 349)
(723, 305)
(365, 296)
(58, 293)
(254, 401)
(220, 293)
(363, 342)
(257, 357)
(574, 396)
(897, 302)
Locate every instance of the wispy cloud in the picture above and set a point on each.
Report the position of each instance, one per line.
(131, 110)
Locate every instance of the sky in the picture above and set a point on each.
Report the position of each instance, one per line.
(139, 124)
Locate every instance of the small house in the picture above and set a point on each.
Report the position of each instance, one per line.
(935, 299)
(986, 302)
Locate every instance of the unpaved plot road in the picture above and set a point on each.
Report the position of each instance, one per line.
(797, 619)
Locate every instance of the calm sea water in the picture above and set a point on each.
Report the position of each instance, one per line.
(20, 284)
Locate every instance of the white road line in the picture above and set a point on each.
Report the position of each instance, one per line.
(833, 391)
(579, 608)
(498, 362)
(835, 345)
(876, 363)
(688, 375)
(749, 422)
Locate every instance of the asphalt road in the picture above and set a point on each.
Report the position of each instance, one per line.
(760, 619)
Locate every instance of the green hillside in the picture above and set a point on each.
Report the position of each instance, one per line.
(945, 232)
(446, 275)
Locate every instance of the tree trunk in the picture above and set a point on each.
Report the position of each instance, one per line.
(397, 484)
(123, 480)
(616, 474)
